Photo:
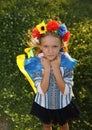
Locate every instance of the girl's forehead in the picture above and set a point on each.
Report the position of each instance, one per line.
(51, 39)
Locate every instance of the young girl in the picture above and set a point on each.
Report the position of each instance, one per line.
(52, 73)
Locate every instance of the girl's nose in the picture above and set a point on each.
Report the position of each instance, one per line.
(50, 50)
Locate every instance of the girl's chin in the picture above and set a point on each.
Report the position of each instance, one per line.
(51, 58)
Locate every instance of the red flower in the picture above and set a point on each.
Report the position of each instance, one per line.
(66, 37)
(52, 25)
(35, 33)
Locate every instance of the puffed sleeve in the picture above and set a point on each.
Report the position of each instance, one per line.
(37, 78)
(68, 78)
(34, 69)
(68, 64)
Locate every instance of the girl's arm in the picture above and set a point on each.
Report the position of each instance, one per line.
(64, 83)
(59, 79)
(45, 80)
(55, 64)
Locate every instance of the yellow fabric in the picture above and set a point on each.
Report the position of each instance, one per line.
(20, 63)
(29, 52)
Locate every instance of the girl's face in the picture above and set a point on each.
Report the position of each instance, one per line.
(50, 46)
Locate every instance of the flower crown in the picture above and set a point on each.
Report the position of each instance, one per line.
(52, 26)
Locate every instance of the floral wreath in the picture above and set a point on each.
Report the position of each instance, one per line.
(52, 26)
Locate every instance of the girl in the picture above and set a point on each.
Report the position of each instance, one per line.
(52, 73)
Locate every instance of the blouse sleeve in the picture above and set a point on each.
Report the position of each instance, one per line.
(68, 78)
(37, 77)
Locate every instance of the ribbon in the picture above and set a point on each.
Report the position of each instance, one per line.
(20, 60)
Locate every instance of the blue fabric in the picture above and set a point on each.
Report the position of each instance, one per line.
(68, 62)
(33, 64)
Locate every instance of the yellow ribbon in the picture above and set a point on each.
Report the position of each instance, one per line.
(20, 59)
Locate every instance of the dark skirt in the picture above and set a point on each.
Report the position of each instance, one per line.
(60, 116)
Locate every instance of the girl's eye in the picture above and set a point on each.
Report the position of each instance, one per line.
(45, 46)
(55, 46)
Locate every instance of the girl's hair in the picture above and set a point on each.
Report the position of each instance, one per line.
(52, 34)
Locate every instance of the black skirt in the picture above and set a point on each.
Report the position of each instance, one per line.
(60, 116)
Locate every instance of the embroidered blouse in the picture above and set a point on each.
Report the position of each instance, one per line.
(53, 99)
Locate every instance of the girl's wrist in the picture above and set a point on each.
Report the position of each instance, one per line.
(56, 70)
(47, 69)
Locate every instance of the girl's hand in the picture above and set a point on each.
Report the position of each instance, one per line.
(45, 63)
(55, 64)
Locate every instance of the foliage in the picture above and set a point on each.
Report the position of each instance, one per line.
(16, 95)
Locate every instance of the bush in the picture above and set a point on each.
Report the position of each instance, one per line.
(16, 94)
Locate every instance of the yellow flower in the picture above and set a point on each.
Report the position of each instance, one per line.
(41, 27)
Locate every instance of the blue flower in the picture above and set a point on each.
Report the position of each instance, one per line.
(62, 30)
